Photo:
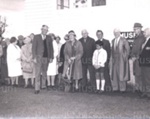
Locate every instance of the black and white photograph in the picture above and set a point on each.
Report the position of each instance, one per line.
(74, 59)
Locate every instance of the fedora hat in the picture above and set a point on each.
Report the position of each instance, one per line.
(137, 25)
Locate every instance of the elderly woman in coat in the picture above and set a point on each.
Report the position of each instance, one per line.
(73, 52)
(14, 61)
(27, 61)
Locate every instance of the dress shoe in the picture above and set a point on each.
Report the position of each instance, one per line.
(37, 92)
(116, 91)
(148, 97)
(122, 92)
(138, 92)
(43, 87)
(25, 86)
(54, 88)
(143, 96)
(48, 87)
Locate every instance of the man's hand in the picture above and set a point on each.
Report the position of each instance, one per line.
(60, 64)
(134, 58)
(50, 60)
(73, 58)
(96, 66)
(19, 59)
(34, 60)
(69, 61)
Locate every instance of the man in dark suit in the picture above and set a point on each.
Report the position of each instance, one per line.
(136, 49)
(106, 46)
(144, 62)
(42, 54)
(89, 46)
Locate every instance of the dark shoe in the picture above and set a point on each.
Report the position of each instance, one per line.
(115, 91)
(98, 91)
(53, 88)
(48, 87)
(138, 92)
(122, 92)
(16, 85)
(143, 95)
(25, 86)
(32, 86)
(37, 92)
(148, 97)
(43, 87)
(84, 89)
(76, 90)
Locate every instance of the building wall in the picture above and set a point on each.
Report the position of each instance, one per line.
(117, 13)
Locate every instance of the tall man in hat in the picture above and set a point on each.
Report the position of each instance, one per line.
(136, 49)
(144, 62)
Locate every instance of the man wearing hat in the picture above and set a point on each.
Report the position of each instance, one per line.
(20, 41)
(144, 62)
(136, 49)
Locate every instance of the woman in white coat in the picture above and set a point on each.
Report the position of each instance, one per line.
(52, 67)
(14, 61)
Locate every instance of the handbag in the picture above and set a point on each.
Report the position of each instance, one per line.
(27, 67)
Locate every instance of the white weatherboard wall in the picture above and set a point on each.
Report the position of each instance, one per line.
(117, 13)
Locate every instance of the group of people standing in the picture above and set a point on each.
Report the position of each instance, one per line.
(95, 65)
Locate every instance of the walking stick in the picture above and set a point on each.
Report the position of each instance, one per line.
(68, 79)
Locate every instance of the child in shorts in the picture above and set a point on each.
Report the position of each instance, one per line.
(98, 61)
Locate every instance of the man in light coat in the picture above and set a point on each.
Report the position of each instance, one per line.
(119, 61)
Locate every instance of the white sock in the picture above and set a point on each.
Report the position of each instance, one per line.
(97, 84)
(12, 81)
(26, 81)
(32, 81)
(53, 80)
(102, 84)
(16, 80)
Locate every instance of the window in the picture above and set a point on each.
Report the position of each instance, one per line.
(67, 4)
(63, 4)
(98, 2)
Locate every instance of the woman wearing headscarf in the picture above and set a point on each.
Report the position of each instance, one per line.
(73, 52)
(27, 61)
(14, 61)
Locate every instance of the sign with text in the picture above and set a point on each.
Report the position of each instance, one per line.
(129, 35)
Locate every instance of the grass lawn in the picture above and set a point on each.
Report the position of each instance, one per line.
(20, 102)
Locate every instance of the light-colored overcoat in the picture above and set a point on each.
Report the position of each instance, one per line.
(119, 60)
(13, 60)
(77, 71)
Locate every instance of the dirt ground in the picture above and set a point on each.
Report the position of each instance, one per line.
(17, 102)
